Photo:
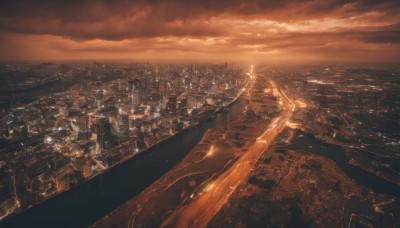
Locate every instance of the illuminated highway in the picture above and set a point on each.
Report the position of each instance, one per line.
(217, 192)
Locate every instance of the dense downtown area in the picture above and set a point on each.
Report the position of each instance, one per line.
(59, 139)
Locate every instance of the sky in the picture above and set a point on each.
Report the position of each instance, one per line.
(206, 30)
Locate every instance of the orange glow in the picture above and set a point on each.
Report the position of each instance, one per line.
(301, 104)
(251, 31)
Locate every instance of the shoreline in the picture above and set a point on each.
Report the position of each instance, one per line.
(19, 211)
(346, 167)
(210, 159)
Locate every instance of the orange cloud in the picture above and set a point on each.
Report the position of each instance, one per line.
(332, 30)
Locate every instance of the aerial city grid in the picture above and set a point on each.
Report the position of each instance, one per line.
(200, 113)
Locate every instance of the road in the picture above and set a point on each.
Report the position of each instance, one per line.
(214, 195)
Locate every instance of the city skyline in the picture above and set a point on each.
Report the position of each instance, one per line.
(251, 31)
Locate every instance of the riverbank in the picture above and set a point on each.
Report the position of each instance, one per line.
(90, 201)
(309, 144)
(101, 169)
(303, 184)
(219, 149)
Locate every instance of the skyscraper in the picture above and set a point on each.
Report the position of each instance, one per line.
(123, 124)
(99, 97)
(103, 131)
(82, 122)
(171, 104)
(183, 107)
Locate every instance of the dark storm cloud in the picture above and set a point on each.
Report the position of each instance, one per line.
(387, 34)
(123, 19)
(203, 29)
(378, 34)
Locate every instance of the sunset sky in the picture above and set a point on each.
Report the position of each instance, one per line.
(248, 30)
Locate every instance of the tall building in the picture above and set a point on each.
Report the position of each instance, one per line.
(183, 107)
(103, 131)
(123, 124)
(135, 97)
(99, 97)
(171, 104)
(214, 88)
(155, 93)
(133, 84)
(82, 122)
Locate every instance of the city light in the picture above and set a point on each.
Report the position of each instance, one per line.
(210, 152)
(242, 113)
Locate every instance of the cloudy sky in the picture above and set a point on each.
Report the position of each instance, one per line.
(249, 30)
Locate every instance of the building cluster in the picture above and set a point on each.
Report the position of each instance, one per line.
(97, 115)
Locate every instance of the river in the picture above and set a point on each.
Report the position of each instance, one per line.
(85, 204)
(309, 144)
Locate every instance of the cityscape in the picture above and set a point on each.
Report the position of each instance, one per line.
(100, 121)
(199, 114)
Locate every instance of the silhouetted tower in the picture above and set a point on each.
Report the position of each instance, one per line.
(171, 104)
(103, 130)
